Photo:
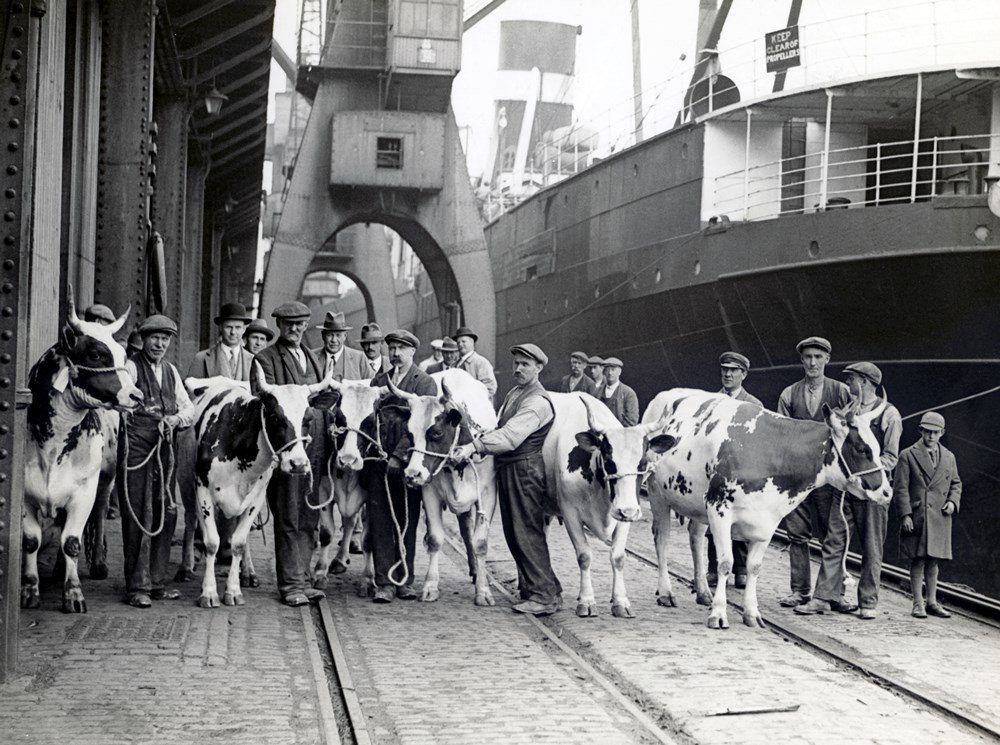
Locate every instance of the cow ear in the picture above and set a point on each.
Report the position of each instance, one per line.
(588, 441)
(454, 417)
(662, 443)
(68, 338)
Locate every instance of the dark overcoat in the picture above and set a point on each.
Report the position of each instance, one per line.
(920, 491)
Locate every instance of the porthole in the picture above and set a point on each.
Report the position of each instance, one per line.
(814, 249)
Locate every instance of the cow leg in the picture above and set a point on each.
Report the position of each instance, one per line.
(350, 504)
(77, 513)
(31, 541)
(722, 534)
(248, 575)
(699, 557)
(620, 607)
(349, 523)
(586, 605)
(319, 564)
(661, 540)
(367, 587)
(238, 540)
(477, 524)
(95, 541)
(186, 456)
(755, 558)
(433, 540)
(210, 535)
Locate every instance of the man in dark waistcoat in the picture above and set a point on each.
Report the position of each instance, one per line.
(283, 363)
(398, 501)
(804, 400)
(525, 419)
(146, 500)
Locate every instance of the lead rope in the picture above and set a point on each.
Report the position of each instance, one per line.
(849, 580)
(165, 496)
(306, 439)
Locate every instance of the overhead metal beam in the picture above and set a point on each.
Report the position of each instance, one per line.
(227, 35)
(258, 113)
(480, 14)
(221, 148)
(284, 61)
(229, 156)
(205, 10)
(229, 64)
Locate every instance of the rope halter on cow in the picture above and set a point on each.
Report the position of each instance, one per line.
(642, 474)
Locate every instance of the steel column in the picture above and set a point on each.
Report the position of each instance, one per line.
(18, 33)
(916, 137)
(123, 178)
(190, 337)
(171, 115)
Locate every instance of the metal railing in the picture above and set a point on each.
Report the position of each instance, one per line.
(867, 175)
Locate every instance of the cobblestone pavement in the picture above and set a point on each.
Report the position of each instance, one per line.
(174, 673)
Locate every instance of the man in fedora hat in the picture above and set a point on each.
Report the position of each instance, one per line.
(449, 356)
(472, 362)
(436, 357)
(526, 417)
(617, 396)
(143, 493)
(577, 380)
(371, 345)
(226, 358)
(804, 400)
(393, 547)
(283, 363)
(339, 361)
(257, 335)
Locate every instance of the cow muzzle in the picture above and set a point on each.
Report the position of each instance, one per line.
(416, 477)
(350, 461)
(626, 514)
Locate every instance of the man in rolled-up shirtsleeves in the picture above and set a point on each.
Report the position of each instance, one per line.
(525, 419)
(804, 400)
(283, 363)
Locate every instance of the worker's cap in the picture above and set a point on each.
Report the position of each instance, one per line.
(402, 336)
(734, 359)
(157, 324)
(595, 360)
(582, 356)
(532, 351)
(865, 370)
(258, 326)
(613, 362)
(99, 313)
(293, 310)
(932, 421)
(814, 341)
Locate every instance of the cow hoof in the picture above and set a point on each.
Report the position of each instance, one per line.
(753, 620)
(430, 595)
(99, 571)
(338, 567)
(586, 610)
(249, 580)
(184, 575)
(485, 599)
(718, 622)
(704, 598)
(233, 599)
(622, 610)
(320, 582)
(30, 597)
(208, 601)
(73, 602)
(366, 590)
(667, 601)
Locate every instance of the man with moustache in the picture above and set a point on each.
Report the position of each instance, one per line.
(371, 344)
(577, 380)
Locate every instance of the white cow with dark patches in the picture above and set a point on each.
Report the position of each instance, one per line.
(462, 410)
(242, 438)
(740, 469)
(73, 384)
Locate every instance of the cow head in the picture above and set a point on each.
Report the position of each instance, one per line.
(287, 421)
(431, 430)
(620, 454)
(95, 373)
(356, 402)
(858, 456)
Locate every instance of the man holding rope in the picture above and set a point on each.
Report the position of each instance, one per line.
(393, 507)
(146, 488)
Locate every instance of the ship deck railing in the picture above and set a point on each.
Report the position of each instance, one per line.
(856, 177)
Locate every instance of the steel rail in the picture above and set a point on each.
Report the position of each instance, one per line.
(820, 644)
(352, 703)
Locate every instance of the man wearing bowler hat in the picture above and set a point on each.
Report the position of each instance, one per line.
(371, 344)
(391, 502)
(576, 380)
(617, 396)
(861, 517)
(804, 400)
(525, 419)
(257, 335)
(472, 362)
(144, 494)
(286, 362)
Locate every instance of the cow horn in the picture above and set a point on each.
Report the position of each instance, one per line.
(261, 380)
(74, 319)
(318, 387)
(398, 393)
(590, 417)
(660, 423)
(117, 326)
(333, 384)
(445, 392)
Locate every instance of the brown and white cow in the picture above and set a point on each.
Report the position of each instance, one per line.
(740, 469)
(343, 488)
(72, 385)
(463, 409)
(594, 465)
(242, 438)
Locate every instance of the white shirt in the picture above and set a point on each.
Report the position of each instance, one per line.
(331, 362)
(609, 391)
(185, 409)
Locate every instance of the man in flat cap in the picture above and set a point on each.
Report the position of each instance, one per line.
(226, 358)
(617, 396)
(400, 504)
(735, 368)
(436, 358)
(864, 518)
(525, 419)
(143, 493)
(472, 362)
(577, 380)
(257, 335)
(927, 493)
(98, 313)
(283, 363)
(595, 371)
(804, 400)
(371, 344)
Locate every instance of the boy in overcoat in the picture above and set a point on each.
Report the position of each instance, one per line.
(927, 492)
